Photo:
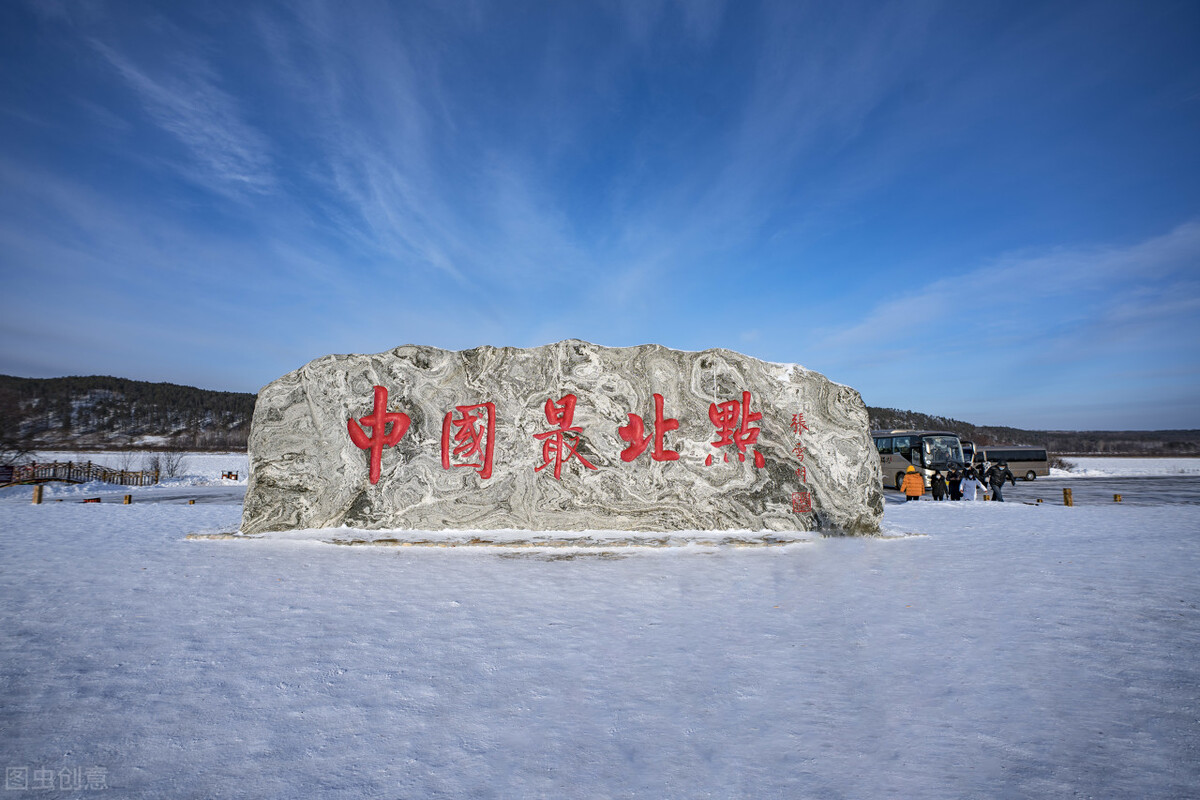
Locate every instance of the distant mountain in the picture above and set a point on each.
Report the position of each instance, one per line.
(1063, 443)
(102, 412)
(84, 413)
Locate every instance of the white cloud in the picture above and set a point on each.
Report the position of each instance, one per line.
(1027, 295)
(1044, 331)
(227, 154)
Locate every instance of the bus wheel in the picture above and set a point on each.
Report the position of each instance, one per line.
(1031, 475)
(899, 481)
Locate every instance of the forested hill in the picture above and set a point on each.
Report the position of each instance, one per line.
(103, 412)
(100, 411)
(1147, 443)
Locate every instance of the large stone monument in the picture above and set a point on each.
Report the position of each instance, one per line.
(570, 436)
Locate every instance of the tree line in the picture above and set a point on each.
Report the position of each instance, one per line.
(79, 413)
(1063, 443)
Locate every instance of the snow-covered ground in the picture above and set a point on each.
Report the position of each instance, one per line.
(199, 479)
(207, 468)
(1128, 467)
(981, 650)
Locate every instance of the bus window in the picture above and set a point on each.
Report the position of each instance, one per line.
(942, 450)
(884, 446)
(909, 447)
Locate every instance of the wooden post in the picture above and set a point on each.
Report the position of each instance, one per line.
(1116, 498)
(37, 494)
(128, 499)
(1067, 499)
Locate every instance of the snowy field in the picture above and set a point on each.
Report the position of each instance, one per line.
(1125, 467)
(979, 650)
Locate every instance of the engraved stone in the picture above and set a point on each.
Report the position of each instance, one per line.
(812, 449)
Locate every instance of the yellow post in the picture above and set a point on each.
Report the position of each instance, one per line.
(1067, 499)
(128, 499)
(1116, 498)
(191, 502)
(37, 495)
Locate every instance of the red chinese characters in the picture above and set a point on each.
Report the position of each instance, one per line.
(634, 433)
(802, 500)
(470, 438)
(560, 445)
(732, 421)
(378, 421)
(468, 434)
(798, 424)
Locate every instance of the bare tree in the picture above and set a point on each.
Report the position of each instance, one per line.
(14, 452)
(168, 464)
(15, 448)
(125, 461)
(174, 463)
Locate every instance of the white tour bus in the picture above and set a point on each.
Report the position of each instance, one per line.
(925, 450)
(1024, 462)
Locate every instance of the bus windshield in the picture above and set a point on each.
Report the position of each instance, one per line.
(941, 451)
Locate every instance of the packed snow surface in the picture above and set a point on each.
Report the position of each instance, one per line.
(977, 650)
(207, 468)
(1126, 467)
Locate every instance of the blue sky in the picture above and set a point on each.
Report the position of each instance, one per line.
(984, 210)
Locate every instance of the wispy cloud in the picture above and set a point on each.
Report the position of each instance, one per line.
(1024, 296)
(225, 153)
(369, 103)
(1027, 325)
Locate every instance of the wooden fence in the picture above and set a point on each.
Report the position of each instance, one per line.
(74, 472)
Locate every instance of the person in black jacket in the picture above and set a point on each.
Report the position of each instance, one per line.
(996, 476)
(937, 485)
(954, 483)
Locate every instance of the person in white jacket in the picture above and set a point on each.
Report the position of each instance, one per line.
(972, 488)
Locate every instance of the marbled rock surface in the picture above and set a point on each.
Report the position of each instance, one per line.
(307, 472)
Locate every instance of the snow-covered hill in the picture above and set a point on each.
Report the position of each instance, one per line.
(115, 412)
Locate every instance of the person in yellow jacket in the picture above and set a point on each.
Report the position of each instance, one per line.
(913, 485)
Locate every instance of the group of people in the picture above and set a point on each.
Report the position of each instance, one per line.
(966, 485)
